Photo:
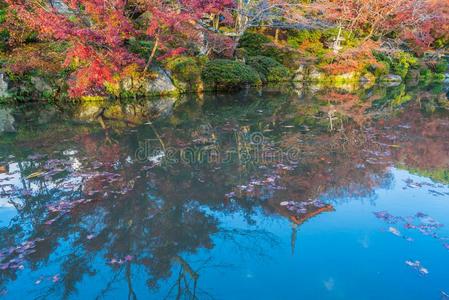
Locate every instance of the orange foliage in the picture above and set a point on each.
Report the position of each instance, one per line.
(352, 60)
(35, 57)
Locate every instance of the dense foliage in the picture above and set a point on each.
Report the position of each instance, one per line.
(87, 46)
(225, 73)
(269, 69)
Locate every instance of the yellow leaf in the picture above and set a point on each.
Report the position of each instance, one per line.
(34, 175)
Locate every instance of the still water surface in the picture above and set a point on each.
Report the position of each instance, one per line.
(272, 194)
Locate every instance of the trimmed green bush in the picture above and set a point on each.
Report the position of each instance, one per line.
(185, 71)
(442, 67)
(224, 73)
(254, 44)
(297, 37)
(402, 62)
(399, 63)
(269, 69)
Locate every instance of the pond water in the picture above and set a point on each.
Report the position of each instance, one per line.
(274, 194)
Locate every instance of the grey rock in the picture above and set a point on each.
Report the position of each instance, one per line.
(391, 78)
(316, 75)
(60, 6)
(41, 85)
(3, 86)
(162, 84)
(6, 121)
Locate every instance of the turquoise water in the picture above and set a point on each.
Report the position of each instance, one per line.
(246, 196)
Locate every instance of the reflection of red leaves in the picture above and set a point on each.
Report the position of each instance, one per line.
(334, 96)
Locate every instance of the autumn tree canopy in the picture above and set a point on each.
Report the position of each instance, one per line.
(97, 34)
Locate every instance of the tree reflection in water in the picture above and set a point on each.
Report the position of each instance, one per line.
(84, 199)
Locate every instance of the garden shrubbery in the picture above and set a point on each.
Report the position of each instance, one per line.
(399, 63)
(269, 69)
(254, 44)
(186, 72)
(225, 73)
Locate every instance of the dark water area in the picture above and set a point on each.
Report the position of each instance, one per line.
(273, 194)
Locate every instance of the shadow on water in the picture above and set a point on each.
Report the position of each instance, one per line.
(102, 199)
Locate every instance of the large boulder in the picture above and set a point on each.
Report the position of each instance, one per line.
(161, 85)
(391, 78)
(300, 73)
(40, 85)
(60, 7)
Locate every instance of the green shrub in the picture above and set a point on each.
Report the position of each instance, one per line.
(141, 47)
(425, 74)
(278, 74)
(379, 69)
(399, 63)
(297, 37)
(269, 69)
(185, 71)
(442, 42)
(439, 77)
(225, 73)
(441, 67)
(254, 44)
(402, 61)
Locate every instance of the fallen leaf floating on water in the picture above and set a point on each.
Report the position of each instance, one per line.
(51, 278)
(300, 207)
(387, 217)
(421, 222)
(120, 261)
(394, 231)
(417, 266)
(265, 186)
(34, 175)
(13, 258)
(55, 278)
